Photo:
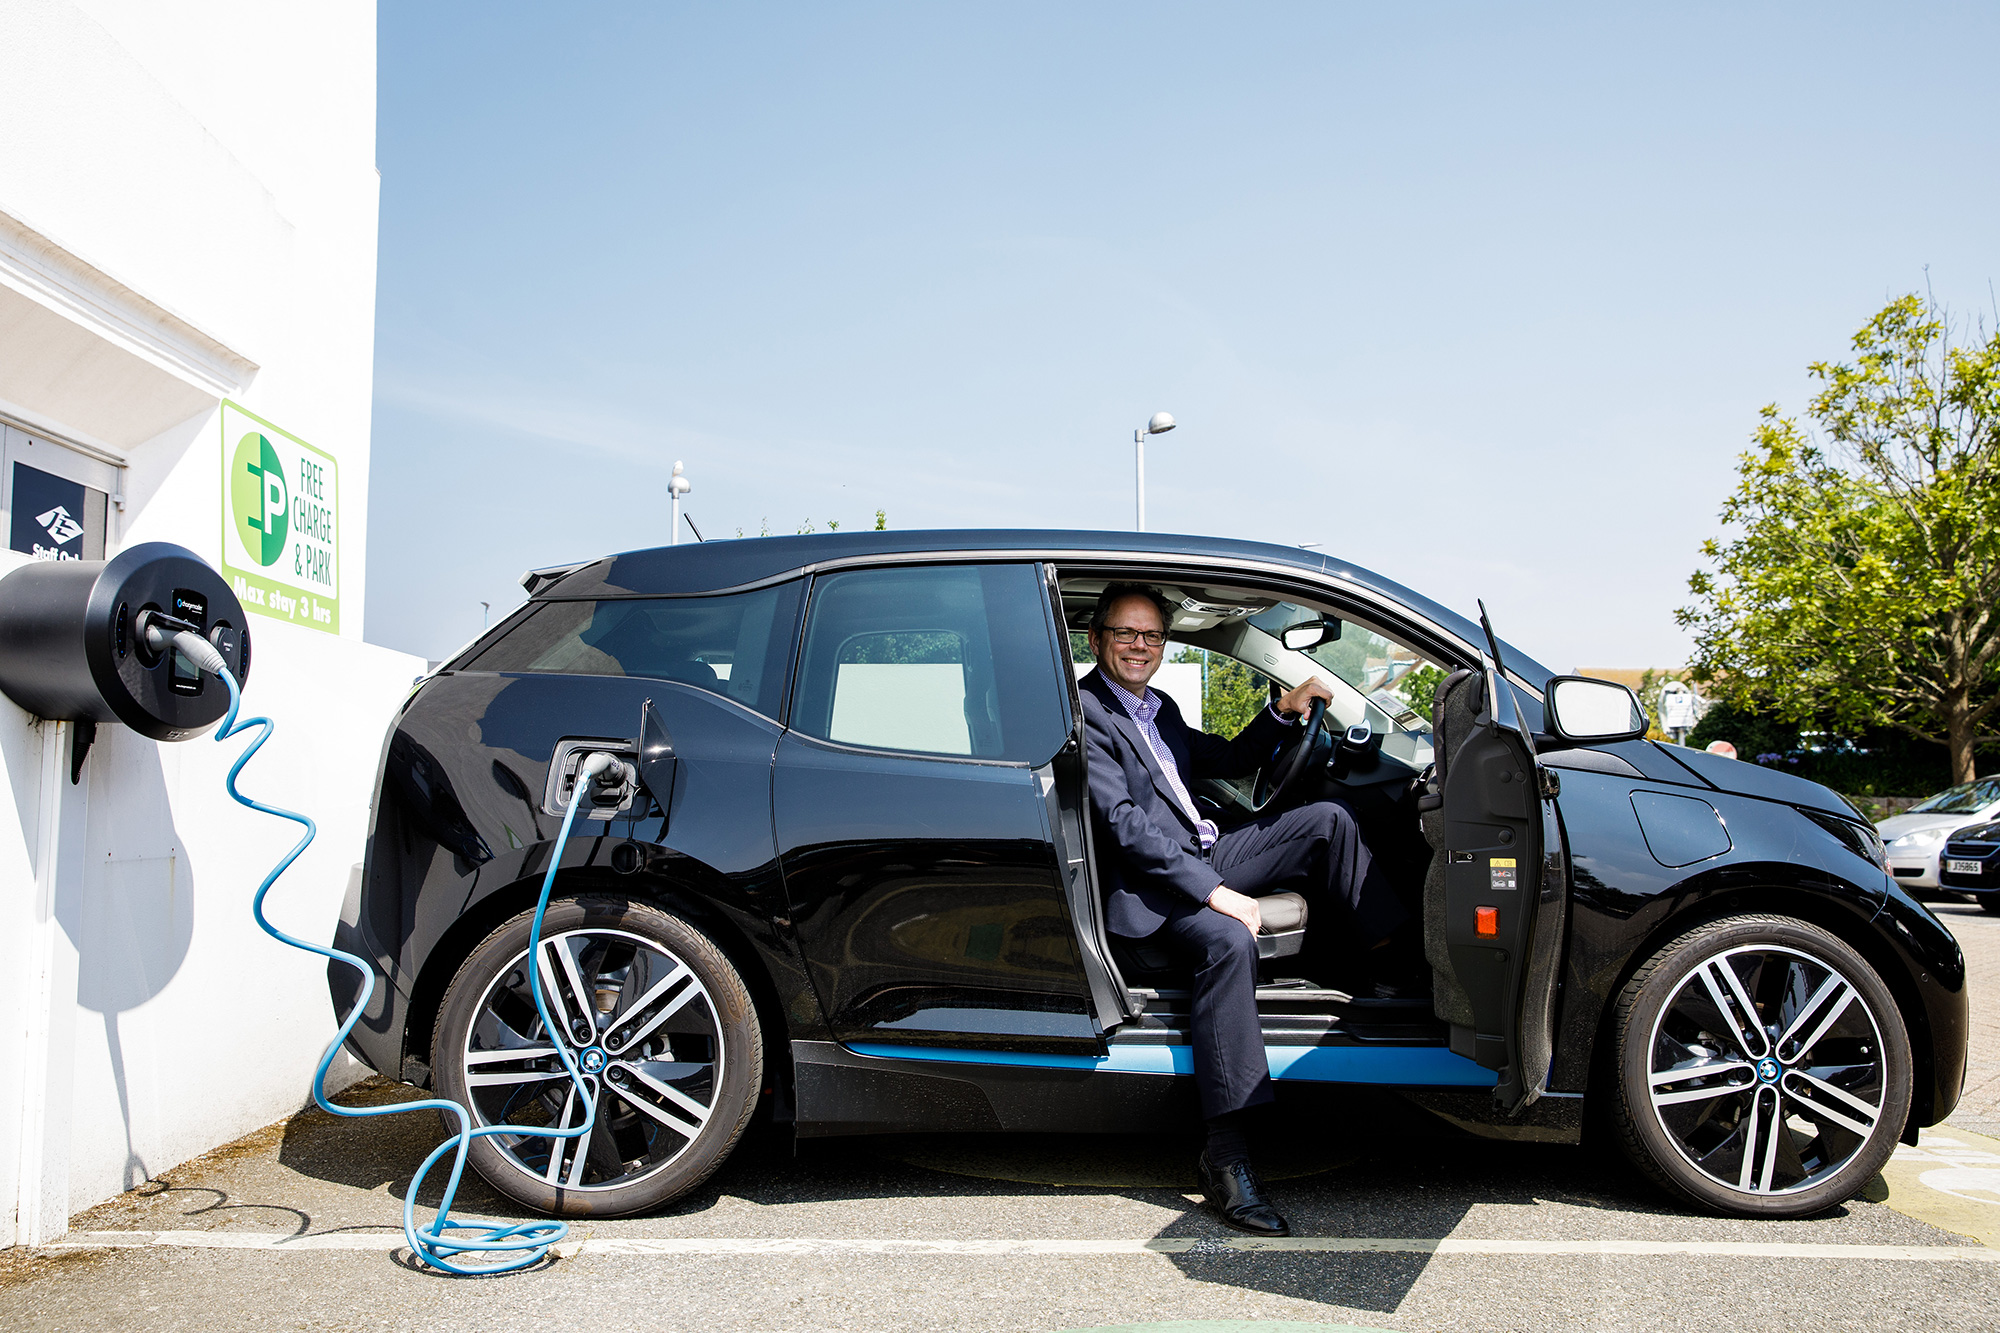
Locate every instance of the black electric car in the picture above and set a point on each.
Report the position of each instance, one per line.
(1970, 863)
(852, 883)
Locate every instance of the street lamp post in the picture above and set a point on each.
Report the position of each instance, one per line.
(1161, 423)
(677, 487)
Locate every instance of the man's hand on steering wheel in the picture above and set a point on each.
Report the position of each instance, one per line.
(1298, 699)
(1307, 749)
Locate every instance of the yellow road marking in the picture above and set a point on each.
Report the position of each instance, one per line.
(1951, 1180)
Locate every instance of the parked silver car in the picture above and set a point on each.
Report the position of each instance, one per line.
(1917, 836)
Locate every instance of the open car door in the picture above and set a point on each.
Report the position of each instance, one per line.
(1506, 889)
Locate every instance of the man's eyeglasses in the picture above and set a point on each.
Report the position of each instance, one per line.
(1152, 638)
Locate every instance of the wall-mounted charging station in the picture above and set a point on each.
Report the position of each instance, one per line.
(90, 641)
(134, 639)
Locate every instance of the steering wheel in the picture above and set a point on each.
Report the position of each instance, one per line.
(1280, 778)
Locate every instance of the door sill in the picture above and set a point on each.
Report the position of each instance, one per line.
(1290, 1017)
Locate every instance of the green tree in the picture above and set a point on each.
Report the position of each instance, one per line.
(1860, 584)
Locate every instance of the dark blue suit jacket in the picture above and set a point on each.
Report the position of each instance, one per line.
(1148, 857)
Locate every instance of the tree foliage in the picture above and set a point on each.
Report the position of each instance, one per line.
(1860, 584)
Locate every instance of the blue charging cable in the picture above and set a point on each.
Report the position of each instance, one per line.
(515, 1246)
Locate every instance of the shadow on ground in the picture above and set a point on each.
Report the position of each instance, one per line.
(1360, 1164)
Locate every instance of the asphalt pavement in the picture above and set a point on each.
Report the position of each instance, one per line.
(1399, 1222)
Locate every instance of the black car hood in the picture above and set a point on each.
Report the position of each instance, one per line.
(1733, 775)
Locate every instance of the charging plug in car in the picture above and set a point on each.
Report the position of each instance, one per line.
(612, 784)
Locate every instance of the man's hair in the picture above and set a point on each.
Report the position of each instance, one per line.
(1118, 592)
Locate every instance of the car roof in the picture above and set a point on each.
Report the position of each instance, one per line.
(714, 565)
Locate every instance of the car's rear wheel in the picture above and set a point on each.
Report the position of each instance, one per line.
(658, 1018)
(1762, 1068)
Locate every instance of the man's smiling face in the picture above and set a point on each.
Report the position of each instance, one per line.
(1130, 664)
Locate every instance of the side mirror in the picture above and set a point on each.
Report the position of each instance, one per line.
(1308, 634)
(1583, 708)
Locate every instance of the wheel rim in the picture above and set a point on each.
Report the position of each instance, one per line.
(1767, 1070)
(642, 1026)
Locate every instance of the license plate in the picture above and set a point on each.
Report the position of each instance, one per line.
(1964, 867)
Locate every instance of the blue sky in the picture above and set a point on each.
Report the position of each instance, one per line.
(1483, 297)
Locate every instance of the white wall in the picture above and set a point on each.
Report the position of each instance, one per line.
(188, 203)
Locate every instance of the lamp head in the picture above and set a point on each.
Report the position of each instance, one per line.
(679, 485)
(1161, 423)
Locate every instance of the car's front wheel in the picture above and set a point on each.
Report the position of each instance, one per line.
(1762, 1068)
(658, 1019)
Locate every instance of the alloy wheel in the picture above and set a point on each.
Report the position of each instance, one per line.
(1767, 1069)
(643, 1028)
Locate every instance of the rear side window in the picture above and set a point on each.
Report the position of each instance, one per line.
(949, 660)
(737, 645)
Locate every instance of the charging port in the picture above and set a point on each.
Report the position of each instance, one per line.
(612, 795)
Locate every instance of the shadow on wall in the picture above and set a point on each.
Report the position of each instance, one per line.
(134, 920)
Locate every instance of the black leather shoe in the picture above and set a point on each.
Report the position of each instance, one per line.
(1238, 1199)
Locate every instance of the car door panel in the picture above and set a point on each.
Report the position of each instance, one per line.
(1498, 821)
(927, 896)
(912, 813)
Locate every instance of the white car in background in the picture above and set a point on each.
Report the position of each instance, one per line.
(1916, 836)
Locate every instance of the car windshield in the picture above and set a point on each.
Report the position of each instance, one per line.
(1396, 685)
(1967, 798)
(1394, 680)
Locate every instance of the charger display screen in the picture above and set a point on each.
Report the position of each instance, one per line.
(184, 676)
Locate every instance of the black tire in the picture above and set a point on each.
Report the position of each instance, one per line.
(640, 961)
(1988, 902)
(1823, 1046)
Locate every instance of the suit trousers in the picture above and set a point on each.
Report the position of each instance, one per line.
(1315, 850)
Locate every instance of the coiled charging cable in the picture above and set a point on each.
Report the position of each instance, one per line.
(513, 1246)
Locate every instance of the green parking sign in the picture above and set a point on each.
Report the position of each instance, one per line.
(281, 522)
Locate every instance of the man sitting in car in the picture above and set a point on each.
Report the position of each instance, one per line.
(1173, 878)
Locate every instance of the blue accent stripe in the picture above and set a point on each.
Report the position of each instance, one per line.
(1409, 1066)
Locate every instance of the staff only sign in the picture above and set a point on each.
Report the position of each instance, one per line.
(281, 515)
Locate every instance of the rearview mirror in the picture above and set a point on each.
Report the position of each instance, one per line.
(1583, 708)
(1309, 634)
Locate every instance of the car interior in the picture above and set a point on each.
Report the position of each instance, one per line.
(1227, 647)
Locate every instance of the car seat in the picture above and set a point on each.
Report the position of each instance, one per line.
(1283, 936)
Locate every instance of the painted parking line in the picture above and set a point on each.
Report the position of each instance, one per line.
(806, 1246)
(283, 1241)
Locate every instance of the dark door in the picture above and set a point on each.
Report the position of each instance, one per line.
(912, 825)
(1505, 893)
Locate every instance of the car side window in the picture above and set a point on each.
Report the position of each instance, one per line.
(946, 660)
(737, 645)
